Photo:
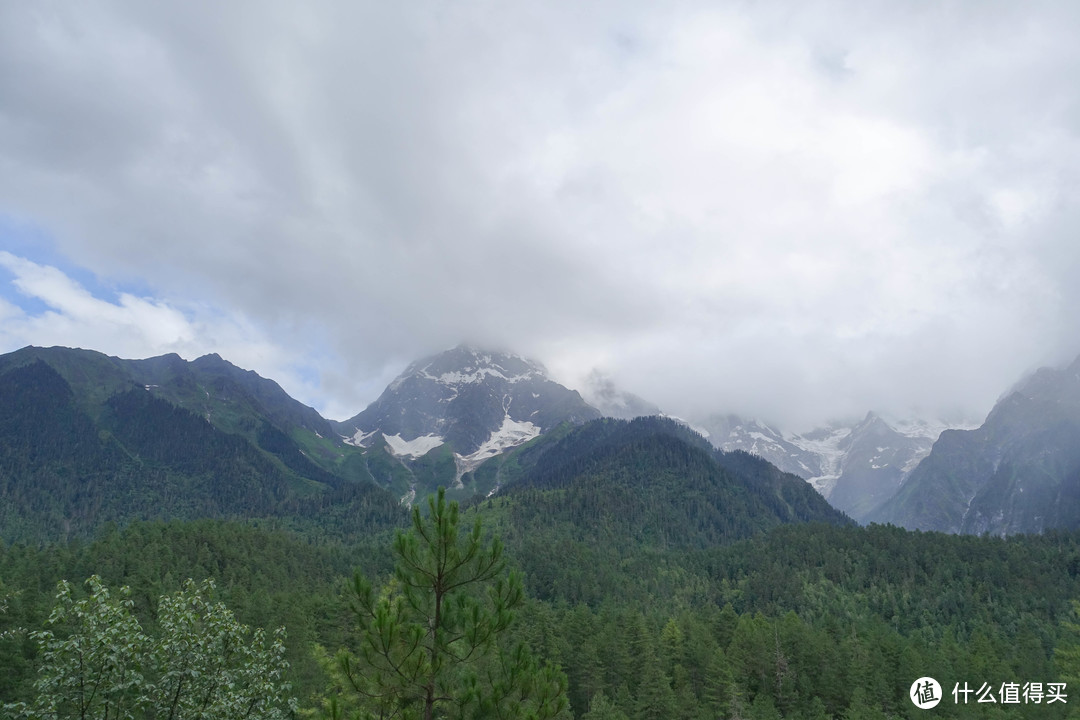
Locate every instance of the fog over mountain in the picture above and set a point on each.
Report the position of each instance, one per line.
(795, 213)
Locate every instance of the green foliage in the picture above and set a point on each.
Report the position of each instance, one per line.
(600, 708)
(75, 456)
(602, 511)
(1067, 651)
(96, 670)
(208, 664)
(436, 468)
(386, 469)
(97, 661)
(433, 642)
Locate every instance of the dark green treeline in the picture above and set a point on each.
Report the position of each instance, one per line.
(803, 622)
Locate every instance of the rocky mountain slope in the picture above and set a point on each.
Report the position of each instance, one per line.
(1017, 473)
(856, 466)
(465, 405)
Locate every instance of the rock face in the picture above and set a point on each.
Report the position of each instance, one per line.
(475, 401)
(877, 458)
(857, 467)
(731, 432)
(1017, 473)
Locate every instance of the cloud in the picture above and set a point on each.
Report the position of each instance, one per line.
(786, 211)
(136, 327)
(76, 315)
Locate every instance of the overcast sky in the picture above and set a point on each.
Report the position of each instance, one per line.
(797, 211)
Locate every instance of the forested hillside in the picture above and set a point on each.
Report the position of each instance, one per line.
(805, 621)
(79, 451)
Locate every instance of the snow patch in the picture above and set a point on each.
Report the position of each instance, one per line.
(913, 462)
(412, 448)
(831, 455)
(359, 438)
(459, 378)
(510, 434)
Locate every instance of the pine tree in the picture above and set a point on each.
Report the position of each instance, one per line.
(718, 685)
(432, 645)
(655, 699)
(600, 708)
(1067, 652)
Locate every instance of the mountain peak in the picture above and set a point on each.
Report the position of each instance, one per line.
(1017, 472)
(871, 424)
(474, 399)
(214, 362)
(466, 364)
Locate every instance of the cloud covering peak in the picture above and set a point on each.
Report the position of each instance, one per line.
(786, 212)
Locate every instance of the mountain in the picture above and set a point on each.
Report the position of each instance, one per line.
(446, 414)
(86, 439)
(660, 466)
(603, 493)
(856, 466)
(1017, 473)
(228, 397)
(226, 393)
(876, 459)
(731, 433)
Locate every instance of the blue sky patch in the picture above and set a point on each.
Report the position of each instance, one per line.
(31, 242)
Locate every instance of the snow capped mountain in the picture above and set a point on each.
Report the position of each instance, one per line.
(477, 402)
(856, 466)
(447, 414)
(731, 432)
(876, 460)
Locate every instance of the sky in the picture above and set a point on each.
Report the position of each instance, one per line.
(793, 211)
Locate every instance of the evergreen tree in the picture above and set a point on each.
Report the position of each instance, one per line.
(1067, 652)
(862, 708)
(763, 708)
(432, 645)
(600, 708)
(719, 685)
(655, 699)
